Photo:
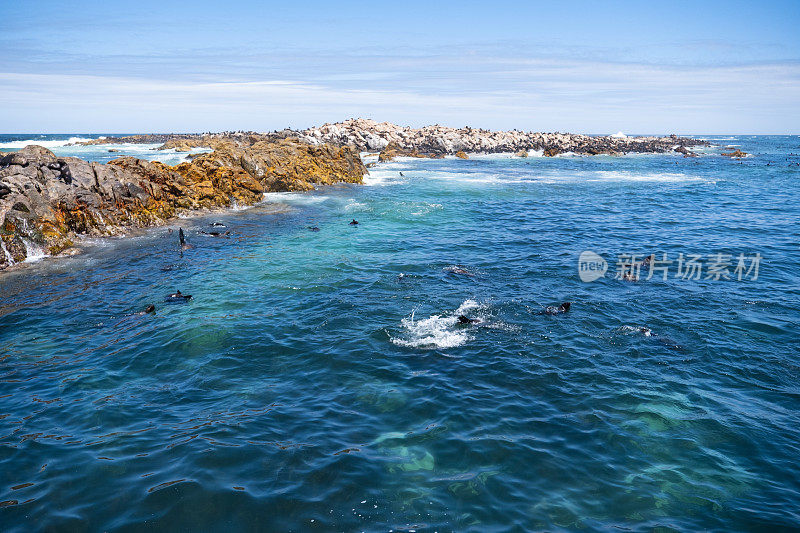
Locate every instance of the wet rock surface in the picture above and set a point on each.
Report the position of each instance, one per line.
(47, 201)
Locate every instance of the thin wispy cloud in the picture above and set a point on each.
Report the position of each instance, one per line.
(159, 67)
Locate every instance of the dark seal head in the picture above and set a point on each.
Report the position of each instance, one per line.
(354, 222)
(150, 309)
(466, 320)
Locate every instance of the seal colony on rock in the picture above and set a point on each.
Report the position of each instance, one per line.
(435, 141)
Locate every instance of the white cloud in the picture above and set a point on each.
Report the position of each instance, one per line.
(526, 94)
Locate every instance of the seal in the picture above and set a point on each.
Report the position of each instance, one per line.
(354, 222)
(557, 309)
(462, 319)
(214, 233)
(182, 239)
(147, 310)
(178, 297)
(459, 270)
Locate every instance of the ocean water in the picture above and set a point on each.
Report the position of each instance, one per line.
(320, 381)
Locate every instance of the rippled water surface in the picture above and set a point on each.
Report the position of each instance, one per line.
(319, 380)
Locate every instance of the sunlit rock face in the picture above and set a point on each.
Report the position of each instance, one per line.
(45, 200)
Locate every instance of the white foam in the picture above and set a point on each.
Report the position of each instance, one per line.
(33, 251)
(41, 142)
(354, 206)
(630, 330)
(424, 208)
(436, 331)
(294, 198)
(619, 135)
(383, 177)
(616, 176)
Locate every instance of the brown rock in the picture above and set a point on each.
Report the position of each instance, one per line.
(48, 200)
(736, 154)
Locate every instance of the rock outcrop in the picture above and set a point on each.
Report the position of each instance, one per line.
(393, 150)
(366, 135)
(431, 141)
(735, 154)
(47, 201)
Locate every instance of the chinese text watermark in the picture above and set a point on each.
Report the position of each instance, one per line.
(633, 267)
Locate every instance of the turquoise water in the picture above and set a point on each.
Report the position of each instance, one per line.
(319, 380)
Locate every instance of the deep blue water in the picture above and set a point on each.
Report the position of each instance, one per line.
(319, 380)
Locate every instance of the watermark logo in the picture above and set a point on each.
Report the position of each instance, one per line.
(591, 266)
(634, 267)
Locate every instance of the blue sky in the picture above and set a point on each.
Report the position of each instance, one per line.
(596, 67)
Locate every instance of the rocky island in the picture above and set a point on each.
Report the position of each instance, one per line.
(47, 201)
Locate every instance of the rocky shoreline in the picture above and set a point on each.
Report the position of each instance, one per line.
(46, 201)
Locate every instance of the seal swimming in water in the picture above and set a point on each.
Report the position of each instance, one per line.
(178, 297)
(459, 270)
(402, 175)
(215, 233)
(313, 228)
(182, 239)
(466, 320)
(557, 310)
(147, 310)
(354, 222)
